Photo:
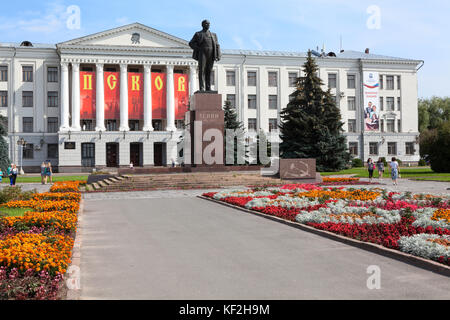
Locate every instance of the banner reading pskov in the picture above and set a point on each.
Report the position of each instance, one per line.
(87, 95)
(112, 95)
(371, 98)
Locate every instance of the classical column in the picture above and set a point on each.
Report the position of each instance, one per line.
(147, 99)
(64, 97)
(100, 98)
(170, 98)
(124, 98)
(192, 80)
(76, 97)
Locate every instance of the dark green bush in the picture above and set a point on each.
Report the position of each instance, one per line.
(357, 163)
(422, 163)
(15, 193)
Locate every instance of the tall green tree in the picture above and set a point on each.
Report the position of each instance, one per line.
(231, 122)
(433, 112)
(438, 147)
(4, 158)
(311, 124)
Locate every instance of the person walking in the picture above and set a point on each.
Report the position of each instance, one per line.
(380, 168)
(50, 172)
(14, 173)
(9, 172)
(370, 168)
(394, 170)
(43, 176)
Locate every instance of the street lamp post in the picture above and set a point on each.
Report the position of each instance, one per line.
(21, 142)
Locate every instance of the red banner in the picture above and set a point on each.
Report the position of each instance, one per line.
(181, 95)
(112, 95)
(135, 95)
(159, 106)
(87, 95)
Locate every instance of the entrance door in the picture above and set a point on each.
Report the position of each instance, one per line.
(88, 154)
(159, 154)
(112, 154)
(136, 154)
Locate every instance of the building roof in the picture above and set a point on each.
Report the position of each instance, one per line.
(35, 45)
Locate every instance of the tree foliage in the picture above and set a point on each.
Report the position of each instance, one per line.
(311, 124)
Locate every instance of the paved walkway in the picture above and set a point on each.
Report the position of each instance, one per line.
(29, 186)
(171, 245)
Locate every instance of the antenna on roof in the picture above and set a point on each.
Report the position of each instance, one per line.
(340, 43)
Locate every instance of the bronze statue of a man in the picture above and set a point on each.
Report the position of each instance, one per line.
(206, 51)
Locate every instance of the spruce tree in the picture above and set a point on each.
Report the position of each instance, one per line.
(4, 159)
(311, 124)
(232, 123)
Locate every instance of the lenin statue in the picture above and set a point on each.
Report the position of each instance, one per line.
(206, 51)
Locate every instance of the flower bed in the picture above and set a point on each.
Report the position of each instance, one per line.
(416, 224)
(36, 248)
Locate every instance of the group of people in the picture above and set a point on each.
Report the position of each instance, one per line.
(379, 165)
(371, 116)
(46, 172)
(12, 173)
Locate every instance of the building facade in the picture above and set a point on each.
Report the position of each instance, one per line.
(42, 93)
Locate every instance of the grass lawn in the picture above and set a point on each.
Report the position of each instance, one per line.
(421, 173)
(13, 212)
(37, 179)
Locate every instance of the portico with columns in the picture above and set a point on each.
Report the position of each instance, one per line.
(152, 142)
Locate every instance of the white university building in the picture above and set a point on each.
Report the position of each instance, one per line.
(41, 95)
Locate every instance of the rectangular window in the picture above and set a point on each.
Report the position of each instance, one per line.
(232, 99)
(273, 79)
(231, 78)
(353, 148)
(52, 151)
(392, 148)
(373, 148)
(251, 78)
(52, 124)
(382, 125)
(390, 104)
(27, 99)
(390, 125)
(213, 78)
(381, 81)
(399, 103)
(111, 125)
(273, 124)
(3, 98)
(28, 151)
(133, 125)
(381, 104)
(52, 74)
(399, 81)
(179, 124)
(87, 125)
(332, 80)
(399, 125)
(252, 101)
(351, 103)
(27, 124)
(27, 74)
(273, 102)
(252, 124)
(351, 125)
(293, 79)
(88, 154)
(389, 82)
(3, 73)
(409, 148)
(52, 99)
(351, 81)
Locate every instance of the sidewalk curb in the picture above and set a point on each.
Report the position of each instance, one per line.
(423, 263)
(74, 294)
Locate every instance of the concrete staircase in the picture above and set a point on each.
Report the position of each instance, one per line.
(180, 181)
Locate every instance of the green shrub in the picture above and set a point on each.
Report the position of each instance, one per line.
(399, 161)
(357, 163)
(422, 163)
(15, 193)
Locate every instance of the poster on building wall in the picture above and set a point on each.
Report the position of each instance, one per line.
(112, 95)
(181, 95)
(371, 86)
(159, 95)
(135, 95)
(87, 95)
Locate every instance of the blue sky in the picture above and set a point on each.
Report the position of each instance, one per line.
(410, 29)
